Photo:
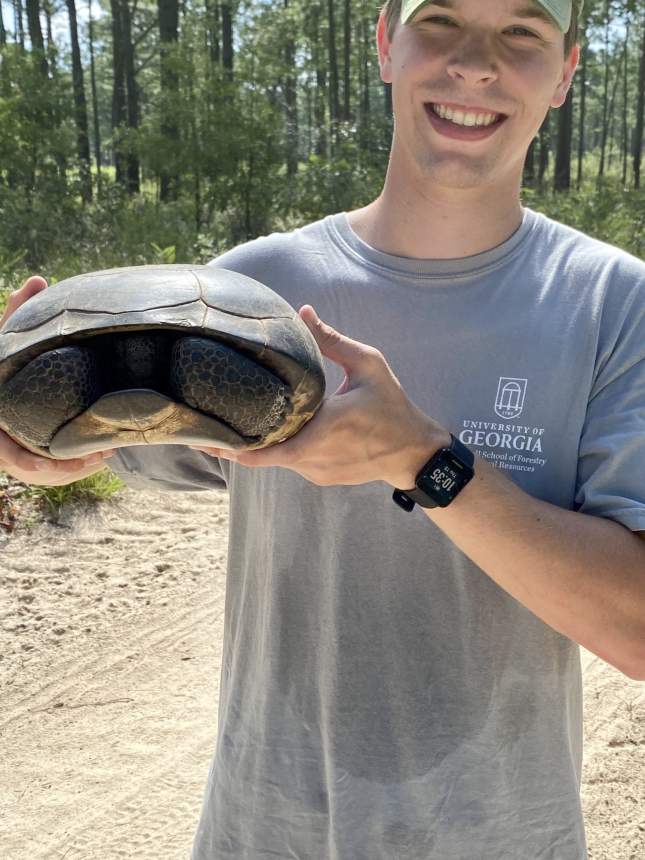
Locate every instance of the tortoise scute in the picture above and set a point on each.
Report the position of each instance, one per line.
(219, 381)
(52, 389)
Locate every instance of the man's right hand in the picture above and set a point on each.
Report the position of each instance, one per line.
(23, 464)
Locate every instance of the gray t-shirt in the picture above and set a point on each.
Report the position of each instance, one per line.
(381, 697)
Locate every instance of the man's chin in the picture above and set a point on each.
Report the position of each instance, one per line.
(457, 171)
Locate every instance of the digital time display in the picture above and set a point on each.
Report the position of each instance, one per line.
(444, 479)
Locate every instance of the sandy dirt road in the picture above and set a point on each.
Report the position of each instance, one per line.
(110, 637)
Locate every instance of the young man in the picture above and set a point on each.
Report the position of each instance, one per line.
(405, 684)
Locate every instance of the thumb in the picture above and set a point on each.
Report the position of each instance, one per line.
(34, 284)
(31, 286)
(352, 355)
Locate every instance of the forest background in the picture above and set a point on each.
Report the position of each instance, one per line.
(140, 131)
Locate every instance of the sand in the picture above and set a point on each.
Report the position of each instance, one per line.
(110, 637)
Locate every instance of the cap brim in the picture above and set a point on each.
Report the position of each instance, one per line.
(559, 10)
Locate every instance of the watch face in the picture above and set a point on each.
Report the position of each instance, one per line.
(444, 478)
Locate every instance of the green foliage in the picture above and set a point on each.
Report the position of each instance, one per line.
(347, 181)
(610, 213)
(99, 487)
(9, 262)
(115, 231)
(165, 256)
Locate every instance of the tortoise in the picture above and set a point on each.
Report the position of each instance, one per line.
(173, 354)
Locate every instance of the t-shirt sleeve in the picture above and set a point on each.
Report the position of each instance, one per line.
(611, 464)
(170, 468)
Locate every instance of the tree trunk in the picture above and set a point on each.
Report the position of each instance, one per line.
(638, 135)
(80, 107)
(119, 99)
(212, 31)
(562, 174)
(55, 107)
(212, 65)
(347, 61)
(194, 147)
(309, 102)
(3, 32)
(36, 36)
(605, 96)
(366, 47)
(334, 103)
(612, 105)
(227, 40)
(248, 189)
(545, 143)
(5, 82)
(320, 100)
(583, 104)
(18, 22)
(291, 98)
(625, 134)
(169, 82)
(50, 116)
(528, 178)
(51, 45)
(95, 107)
(132, 90)
(387, 100)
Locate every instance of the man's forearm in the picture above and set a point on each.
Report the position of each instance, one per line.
(583, 575)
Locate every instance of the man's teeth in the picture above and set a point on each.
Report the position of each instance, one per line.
(461, 118)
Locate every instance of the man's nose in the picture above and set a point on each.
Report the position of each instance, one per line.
(473, 62)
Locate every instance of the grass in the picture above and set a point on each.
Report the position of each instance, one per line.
(97, 488)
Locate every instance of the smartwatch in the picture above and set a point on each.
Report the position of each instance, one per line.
(441, 479)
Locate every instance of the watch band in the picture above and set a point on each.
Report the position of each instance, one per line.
(407, 499)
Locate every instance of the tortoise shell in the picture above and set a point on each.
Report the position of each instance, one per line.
(174, 354)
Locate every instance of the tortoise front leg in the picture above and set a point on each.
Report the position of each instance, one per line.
(224, 383)
(53, 388)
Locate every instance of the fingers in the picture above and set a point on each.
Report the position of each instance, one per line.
(16, 459)
(214, 452)
(258, 457)
(32, 285)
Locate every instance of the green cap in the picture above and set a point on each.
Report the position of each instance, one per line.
(559, 10)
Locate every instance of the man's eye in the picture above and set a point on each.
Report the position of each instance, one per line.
(522, 31)
(437, 19)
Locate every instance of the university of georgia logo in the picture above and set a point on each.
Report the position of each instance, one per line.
(510, 397)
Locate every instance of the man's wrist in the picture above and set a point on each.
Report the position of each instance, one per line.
(430, 439)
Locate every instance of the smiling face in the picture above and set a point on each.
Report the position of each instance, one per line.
(471, 85)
